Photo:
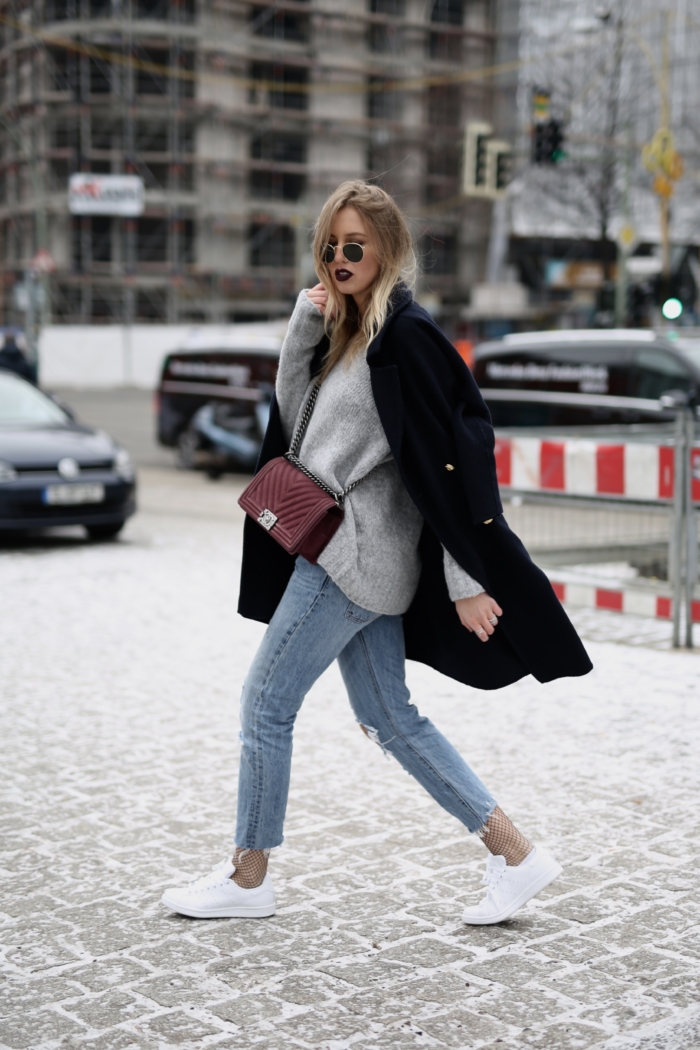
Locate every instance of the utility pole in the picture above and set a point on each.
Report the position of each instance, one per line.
(38, 176)
(608, 170)
(36, 295)
(626, 243)
(661, 159)
(129, 224)
(665, 123)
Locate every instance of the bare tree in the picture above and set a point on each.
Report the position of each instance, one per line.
(602, 67)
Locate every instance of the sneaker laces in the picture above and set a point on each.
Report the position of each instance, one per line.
(223, 864)
(495, 867)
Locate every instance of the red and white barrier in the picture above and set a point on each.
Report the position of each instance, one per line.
(586, 467)
(616, 599)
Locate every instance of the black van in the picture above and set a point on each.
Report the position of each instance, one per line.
(213, 400)
(582, 377)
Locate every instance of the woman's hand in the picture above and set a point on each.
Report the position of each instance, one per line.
(319, 297)
(479, 614)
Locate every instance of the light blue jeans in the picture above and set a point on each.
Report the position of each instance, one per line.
(315, 623)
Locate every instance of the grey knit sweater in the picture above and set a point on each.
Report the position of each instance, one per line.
(373, 557)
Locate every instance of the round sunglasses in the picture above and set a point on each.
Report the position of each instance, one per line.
(354, 253)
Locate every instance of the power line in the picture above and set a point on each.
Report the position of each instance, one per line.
(356, 86)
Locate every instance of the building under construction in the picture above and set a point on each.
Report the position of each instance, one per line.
(240, 118)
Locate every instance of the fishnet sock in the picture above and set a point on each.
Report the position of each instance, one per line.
(251, 867)
(502, 838)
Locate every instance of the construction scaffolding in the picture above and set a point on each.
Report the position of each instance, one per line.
(240, 118)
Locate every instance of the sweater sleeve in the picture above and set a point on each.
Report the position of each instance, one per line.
(459, 583)
(303, 334)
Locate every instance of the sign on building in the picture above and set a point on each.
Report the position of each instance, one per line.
(43, 262)
(105, 195)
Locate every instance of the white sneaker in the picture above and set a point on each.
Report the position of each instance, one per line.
(510, 887)
(217, 896)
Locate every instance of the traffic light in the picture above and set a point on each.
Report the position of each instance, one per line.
(672, 309)
(476, 140)
(678, 295)
(487, 162)
(499, 158)
(556, 141)
(548, 142)
(541, 109)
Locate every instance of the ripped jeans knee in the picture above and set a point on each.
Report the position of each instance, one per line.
(373, 735)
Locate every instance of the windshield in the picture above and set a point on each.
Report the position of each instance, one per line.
(691, 349)
(20, 402)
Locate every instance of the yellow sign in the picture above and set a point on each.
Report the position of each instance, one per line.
(627, 237)
(661, 158)
(541, 108)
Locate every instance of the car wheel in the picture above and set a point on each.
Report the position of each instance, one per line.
(105, 532)
(188, 445)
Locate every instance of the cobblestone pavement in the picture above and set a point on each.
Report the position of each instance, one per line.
(121, 667)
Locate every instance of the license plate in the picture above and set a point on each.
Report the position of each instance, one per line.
(71, 494)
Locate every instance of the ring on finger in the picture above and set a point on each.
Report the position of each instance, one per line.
(494, 621)
(480, 631)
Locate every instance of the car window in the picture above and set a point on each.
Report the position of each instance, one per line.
(657, 371)
(20, 402)
(571, 369)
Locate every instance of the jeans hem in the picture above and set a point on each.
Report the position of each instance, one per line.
(243, 846)
(480, 832)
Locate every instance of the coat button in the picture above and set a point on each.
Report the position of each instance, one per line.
(448, 466)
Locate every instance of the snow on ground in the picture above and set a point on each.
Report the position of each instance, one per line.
(121, 668)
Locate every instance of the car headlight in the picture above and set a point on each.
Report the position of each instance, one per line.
(7, 472)
(123, 465)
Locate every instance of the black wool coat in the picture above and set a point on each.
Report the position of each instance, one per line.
(439, 431)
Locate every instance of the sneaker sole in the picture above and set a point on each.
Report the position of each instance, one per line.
(533, 889)
(262, 911)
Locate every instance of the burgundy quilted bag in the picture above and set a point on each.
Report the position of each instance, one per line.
(292, 503)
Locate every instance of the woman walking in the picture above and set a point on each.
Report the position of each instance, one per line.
(381, 408)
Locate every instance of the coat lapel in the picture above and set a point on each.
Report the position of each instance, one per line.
(400, 299)
(386, 386)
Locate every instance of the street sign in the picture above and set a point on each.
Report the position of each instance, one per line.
(661, 158)
(23, 290)
(20, 296)
(644, 265)
(541, 107)
(627, 238)
(106, 195)
(43, 262)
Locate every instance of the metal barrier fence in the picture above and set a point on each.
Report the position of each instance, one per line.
(606, 520)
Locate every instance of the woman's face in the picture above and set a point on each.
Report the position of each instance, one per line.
(355, 279)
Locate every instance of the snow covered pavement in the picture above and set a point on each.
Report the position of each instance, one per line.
(121, 668)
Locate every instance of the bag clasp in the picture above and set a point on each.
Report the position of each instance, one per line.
(267, 519)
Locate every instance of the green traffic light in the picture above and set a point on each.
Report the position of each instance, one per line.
(672, 309)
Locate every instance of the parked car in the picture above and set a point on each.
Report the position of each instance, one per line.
(581, 377)
(13, 353)
(213, 399)
(54, 471)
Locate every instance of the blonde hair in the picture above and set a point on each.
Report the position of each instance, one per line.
(350, 333)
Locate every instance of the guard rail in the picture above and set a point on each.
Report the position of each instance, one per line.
(613, 521)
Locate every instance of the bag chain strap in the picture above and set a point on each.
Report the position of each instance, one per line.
(292, 456)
